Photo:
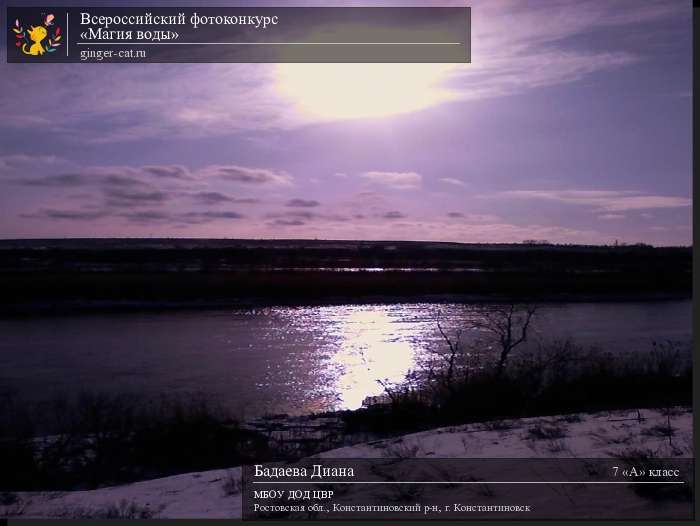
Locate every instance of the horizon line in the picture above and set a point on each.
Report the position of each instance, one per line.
(534, 243)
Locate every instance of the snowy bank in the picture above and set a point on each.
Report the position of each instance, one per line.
(216, 493)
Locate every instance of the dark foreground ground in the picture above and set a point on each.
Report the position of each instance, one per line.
(57, 274)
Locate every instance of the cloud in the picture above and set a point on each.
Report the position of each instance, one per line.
(132, 103)
(192, 218)
(301, 214)
(302, 203)
(173, 172)
(298, 217)
(29, 171)
(246, 175)
(34, 174)
(139, 217)
(474, 218)
(205, 217)
(452, 181)
(121, 180)
(55, 181)
(288, 222)
(219, 215)
(20, 161)
(394, 214)
(611, 217)
(211, 198)
(398, 180)
(129, 198)
(217, 198)
(147, 216)
(71, 215)
(366, 198)
(604, 200)
(39, 170)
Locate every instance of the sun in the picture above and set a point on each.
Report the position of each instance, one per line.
(360, 91)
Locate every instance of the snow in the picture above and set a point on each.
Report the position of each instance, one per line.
(188, 495)
(598, 435)
(216, 493)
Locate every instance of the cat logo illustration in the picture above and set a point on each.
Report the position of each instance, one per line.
(37, 40)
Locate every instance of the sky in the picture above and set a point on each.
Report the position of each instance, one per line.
(571, 124)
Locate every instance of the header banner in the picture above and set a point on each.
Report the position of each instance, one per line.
(266, 34)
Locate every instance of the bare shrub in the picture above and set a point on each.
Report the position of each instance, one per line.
(496, 425)
(12, 505)
(401, 450)
(660, 430)
(508, 325)
(7, 498)
(232, 484)
(557, 446)
(552, 377)
(122, 510)
(573, 418)
(546, 432)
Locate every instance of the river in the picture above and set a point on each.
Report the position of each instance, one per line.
(283, 360)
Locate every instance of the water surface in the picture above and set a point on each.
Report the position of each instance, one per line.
(292, 360)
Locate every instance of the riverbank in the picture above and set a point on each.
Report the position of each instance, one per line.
(624, 435)
(66, 275)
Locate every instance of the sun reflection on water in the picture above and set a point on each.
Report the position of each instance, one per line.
(370, 349)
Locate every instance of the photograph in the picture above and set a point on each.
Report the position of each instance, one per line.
(346, 260)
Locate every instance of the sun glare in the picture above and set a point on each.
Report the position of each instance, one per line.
(361, 91)
(370, 351)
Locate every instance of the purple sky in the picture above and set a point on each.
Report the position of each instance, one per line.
(572, 124)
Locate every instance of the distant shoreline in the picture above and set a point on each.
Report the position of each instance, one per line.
(127, 275)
